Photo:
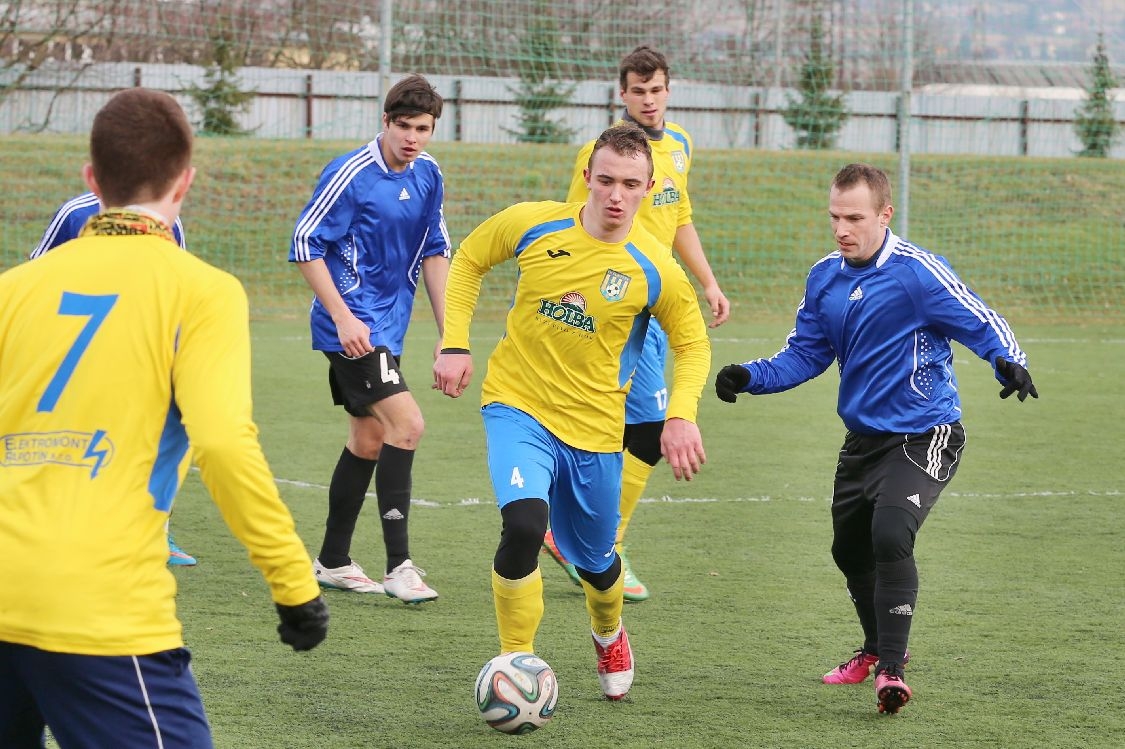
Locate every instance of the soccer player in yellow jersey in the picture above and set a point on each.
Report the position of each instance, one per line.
(554, 396)
(667, 213)
(122, 357)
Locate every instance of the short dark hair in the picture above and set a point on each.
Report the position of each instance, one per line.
(624, 139)
(872, 176)
(412, 96)
(645, 62)
(140, 143)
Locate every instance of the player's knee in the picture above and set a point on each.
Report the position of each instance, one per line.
(643, 441)
(602, 580)
(893, 531)
(406, 430)
(851, 558)
(524, 524)
(365, 446)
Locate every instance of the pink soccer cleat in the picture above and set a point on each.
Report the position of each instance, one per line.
(891, 691)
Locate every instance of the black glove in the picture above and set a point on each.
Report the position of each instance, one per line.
(1016, 378)
(304, 626)
(731, 380)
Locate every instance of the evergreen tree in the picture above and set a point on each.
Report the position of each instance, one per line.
(816, 116)
(1094, 121)
(221, 97)
(539, 93)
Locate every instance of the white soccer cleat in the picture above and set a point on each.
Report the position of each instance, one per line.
(349, 577)
(404, 582)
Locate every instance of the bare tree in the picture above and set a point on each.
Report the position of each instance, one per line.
(34, 33)
(323, 35)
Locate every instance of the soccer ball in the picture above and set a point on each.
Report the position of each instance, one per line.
(517, 692)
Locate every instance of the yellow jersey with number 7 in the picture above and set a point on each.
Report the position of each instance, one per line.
(121, 358)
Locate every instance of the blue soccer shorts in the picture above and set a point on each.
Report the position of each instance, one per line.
(98, 701)
(647, 400)
(582, 489)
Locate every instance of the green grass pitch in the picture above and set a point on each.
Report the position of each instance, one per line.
(1018, 641)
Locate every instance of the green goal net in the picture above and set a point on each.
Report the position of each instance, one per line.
(1009, 162)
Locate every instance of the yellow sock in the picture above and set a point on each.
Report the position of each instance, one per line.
(519, 609)
(604, 606)
(634, 477)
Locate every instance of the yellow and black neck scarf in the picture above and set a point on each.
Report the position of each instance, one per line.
(120, 222)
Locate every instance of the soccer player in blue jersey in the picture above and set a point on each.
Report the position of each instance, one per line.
(125, 359)
(554, 396)
(886, 311)
(65, 226)
(373, 226)
(73, 215)
(667, 213)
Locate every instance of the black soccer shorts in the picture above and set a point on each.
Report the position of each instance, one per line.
(358, 383)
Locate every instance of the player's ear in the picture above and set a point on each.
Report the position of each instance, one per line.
(183, 183)
(91, 182)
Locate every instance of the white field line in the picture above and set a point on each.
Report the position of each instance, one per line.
(473, 501)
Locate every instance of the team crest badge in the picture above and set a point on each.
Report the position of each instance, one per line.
(679, 160)
(614, 285)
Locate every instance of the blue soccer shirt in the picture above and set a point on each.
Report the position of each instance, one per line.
(372, 226)
(73, 215)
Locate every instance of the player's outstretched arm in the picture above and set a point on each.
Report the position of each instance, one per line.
(682, 446)
(453, 370)
(1016, 379)
(731, 380)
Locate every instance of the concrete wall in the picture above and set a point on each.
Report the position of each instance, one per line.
(346, 106)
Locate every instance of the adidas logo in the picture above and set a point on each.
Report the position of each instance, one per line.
(915, 500)
(856, 295)
(903, 609)
(393, 514)
(404, 195)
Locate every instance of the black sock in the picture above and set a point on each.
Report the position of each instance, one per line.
(392, 487)
(861, 588)
(896, 595)
(345, 499)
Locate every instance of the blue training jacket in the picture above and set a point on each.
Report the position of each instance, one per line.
(889, 325)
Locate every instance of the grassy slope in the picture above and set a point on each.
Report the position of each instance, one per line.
(1039, 236)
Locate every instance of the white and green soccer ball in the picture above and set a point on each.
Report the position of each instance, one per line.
(517, 692)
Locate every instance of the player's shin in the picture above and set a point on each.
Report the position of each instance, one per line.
(605, 606)
(519, 609)
(896, 597)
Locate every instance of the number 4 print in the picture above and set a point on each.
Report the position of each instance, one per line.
(386, 372)
(80, 305)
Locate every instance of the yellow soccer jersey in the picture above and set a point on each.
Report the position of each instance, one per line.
(578, 320)
(668, 207)
(119, 356)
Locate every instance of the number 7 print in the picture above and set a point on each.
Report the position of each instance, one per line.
(97, 309)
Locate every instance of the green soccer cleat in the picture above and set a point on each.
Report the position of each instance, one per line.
(553, 551)
(635, 590)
